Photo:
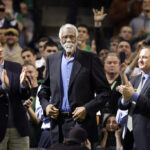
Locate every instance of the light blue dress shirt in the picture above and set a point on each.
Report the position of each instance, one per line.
(66, 69)
(136, 95)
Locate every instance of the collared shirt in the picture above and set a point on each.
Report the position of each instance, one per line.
(1, 68)
(136, 95)
(66, 68)
(40, 115)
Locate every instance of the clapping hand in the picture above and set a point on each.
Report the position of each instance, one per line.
(5, 78)
(23, 77)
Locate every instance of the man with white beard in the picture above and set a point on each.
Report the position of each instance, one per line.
(67, 94)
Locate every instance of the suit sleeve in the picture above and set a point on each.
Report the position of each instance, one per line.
(100, 86)
(44, 93)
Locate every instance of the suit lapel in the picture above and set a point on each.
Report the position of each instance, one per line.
(58, 68)
(76, 68)
(147, 83)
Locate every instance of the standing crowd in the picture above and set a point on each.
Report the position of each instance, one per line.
(82, 93)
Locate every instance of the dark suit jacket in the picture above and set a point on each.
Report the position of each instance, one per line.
(141, 115)
(87, 78)
(15, 94)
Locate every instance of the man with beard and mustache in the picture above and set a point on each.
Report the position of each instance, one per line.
(12, 50)
(67, 96)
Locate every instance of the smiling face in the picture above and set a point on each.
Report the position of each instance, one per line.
(111, 124)
(144, 60)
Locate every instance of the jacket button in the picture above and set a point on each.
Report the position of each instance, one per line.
(6, 104)
(6, 115)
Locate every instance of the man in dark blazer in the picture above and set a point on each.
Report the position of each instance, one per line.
(14, 127)
(75, 88)
(138, 103)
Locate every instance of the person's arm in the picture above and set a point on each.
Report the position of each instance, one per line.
(118, 139)
(100, 42)
(28, 103)
(104, 140)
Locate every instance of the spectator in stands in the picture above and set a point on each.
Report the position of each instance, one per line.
(112, 69)
(28, 55)
(141, 24)
(126, 33)
(35, 125)
(111, 134)
(14, 126)
(4, 21)
(41, 44)
(12, 50)
(77, 140)
(83, 37)
(114, 41)
(125, 47)
(28, 29)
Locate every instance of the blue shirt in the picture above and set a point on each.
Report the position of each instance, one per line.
(66, 69)
(136, 95)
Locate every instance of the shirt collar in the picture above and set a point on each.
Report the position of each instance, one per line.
(2, 64)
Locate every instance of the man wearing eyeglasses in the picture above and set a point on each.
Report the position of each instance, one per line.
(67, 95)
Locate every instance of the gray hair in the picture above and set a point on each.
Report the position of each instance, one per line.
(68, 26)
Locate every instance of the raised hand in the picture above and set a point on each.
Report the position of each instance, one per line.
(5, 78)
(23, 76)
(99, 15)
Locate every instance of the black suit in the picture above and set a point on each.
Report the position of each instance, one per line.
(15, 94)
(141, 115)
(87, 78)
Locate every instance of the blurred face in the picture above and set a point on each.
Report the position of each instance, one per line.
(23, 8)
(50, 50)
(144, 60)
(41, 47)
(32, 72)
(11, 39)
(68, 40)
(2, 11)
(126, 33)
(146, 7)
(102, 54)
(83, 34)
(112, 65)
(111, 124)
(113, 46)
(28, 57)
(124, 47)
(1, 53)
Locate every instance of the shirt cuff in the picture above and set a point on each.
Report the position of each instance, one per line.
(124, 103)
(4, 87)
(134, 97)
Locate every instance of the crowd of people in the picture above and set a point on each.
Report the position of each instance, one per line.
(82, 93)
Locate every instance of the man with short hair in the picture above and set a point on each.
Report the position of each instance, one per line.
(126, 33)
(83, 37)
(68, 93)
(50, 48)
(14, 126)
(136, 99)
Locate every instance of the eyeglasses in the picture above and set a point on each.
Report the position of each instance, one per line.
(71, 37)
(50, 50)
